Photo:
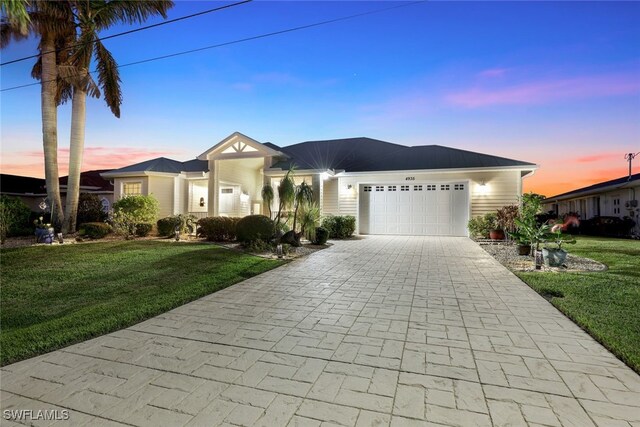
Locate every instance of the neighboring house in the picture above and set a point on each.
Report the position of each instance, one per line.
(33, 191)
(618, 197)
(389, 188)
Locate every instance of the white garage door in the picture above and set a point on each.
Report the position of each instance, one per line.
(418, 209)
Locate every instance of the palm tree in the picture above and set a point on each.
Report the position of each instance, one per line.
(91, 18)
(303, 198)
(267, 196)
(286, 196)
(49, 20)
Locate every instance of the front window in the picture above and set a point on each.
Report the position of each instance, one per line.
(132, 189)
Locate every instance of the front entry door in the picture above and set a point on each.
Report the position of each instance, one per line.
(227, 201)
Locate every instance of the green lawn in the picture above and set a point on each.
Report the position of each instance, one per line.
(605, 304)
(53, 296)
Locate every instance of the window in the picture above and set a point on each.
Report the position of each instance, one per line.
(444, 187)
(226, 190)
(131, 188)
(431, 187)
(392, 188)
(379, 187)
(458, 187)
(367, 188)
(404, 188)
(417, 188)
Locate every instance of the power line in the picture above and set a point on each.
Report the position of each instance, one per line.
(135, 30)
(261, 36)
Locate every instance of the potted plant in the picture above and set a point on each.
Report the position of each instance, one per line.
(495, 230)
(532, 233)
(556, 256)
(523, 244)
(44, 231)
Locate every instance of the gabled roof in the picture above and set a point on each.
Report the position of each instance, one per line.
(16, 184)
(595, 187)
(163, 165)
(89, 180)
(371, 155)
(92, 179)
(244, 140)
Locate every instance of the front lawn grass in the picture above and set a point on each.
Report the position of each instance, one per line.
(54, 296)
(605, 304)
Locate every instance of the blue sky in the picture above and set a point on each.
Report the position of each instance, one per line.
(557, 83)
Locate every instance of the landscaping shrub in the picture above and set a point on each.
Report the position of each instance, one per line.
(481, 226)
(322, 235)
(94, 230)
(131, 211)
(90, 209)
(143, 229)
(185, 223)
(254, 227)
(14, 217)
(218, 228)
(505, 217)
(339, 227)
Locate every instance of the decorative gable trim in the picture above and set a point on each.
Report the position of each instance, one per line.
(238, 145)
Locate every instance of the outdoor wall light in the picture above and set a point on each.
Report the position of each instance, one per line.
(324, 176)
(483, 188)
(244, 197)
(201, 202)
(349, 186)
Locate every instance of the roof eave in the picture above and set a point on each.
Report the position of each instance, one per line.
(530, 168)
(578, 194)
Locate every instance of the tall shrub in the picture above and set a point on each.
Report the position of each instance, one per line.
(90, 209)
(131, 211)
(14, 217)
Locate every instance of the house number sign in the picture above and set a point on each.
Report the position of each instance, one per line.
(410, 178)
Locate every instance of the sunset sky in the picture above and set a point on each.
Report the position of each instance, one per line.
(555, 83)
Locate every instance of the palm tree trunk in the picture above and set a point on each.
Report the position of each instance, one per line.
(78, 121)
(50, 128)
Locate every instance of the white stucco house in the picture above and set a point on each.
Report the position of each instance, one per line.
(616, 197)
(389, 188)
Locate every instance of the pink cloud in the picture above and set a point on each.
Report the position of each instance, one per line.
(493, 72)
(544, 91)
(31, 163)
(599, 157)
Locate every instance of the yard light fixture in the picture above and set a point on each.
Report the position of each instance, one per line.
(279, 251)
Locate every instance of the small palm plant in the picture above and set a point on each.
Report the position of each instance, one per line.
(268, 196)
(286, 196)
(309, 218)
(303, 198)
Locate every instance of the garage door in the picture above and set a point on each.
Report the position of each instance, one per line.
(419, 209)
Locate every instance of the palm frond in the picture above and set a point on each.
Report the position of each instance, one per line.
(129, 11)
(10, 32)
(109, 78)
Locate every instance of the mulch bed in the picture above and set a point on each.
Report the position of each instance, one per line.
(506, 253)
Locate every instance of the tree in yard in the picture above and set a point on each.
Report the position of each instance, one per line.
(90, 18)
(49, 20)
(268, 196)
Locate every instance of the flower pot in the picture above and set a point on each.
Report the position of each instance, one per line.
(496, 234)
(554, 257)
(44, 235)
(524, 249)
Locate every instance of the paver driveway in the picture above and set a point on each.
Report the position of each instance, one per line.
(383, 330)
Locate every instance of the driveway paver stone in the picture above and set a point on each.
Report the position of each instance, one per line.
(376, 331)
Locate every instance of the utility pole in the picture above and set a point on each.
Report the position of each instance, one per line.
(629, 157)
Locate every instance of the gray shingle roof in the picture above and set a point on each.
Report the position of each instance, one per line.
(617, 181)
(162, 164)
(370, 155)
